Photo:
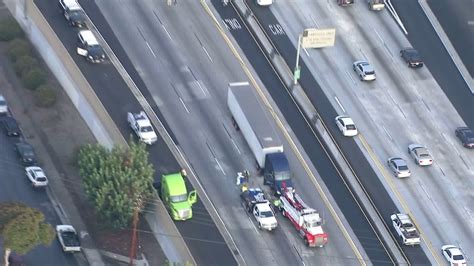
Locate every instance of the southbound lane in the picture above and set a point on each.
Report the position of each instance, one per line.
(424, 38)
(335, 183)
(203, 238)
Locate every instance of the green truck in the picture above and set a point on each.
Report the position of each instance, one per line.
(174, 195)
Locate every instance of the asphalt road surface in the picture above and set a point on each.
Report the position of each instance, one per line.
(15, 187)
(368, 177)
(186, 67)
(424, 38)
(203, 239)
(457, 20)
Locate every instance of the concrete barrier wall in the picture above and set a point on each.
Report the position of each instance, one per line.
(66, 71)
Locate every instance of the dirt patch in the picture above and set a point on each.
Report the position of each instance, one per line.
(62, 131)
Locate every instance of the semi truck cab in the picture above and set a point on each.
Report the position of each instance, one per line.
(276, 173)
(175, 197)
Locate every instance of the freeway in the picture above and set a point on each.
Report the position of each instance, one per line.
(186, 67)
(201, 234)
(424, 38)
(460, 30)
(367, 176)
(14, 187)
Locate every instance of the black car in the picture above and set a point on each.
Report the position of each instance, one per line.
(11, 127)
(26, 153)
(466, 135)
(412, 57)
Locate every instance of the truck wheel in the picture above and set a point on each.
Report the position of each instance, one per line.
(306, 242)
(259, 226)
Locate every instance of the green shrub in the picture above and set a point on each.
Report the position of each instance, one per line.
(33, 78)
(9, 30)
(18, 48)
(25, 64)
(45, 96)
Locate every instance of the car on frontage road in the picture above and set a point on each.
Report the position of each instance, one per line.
(36, 176)
(11, 127)
(26, 153)
(453, 255)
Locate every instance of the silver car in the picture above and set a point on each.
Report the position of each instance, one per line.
(364, 70)
(3, 105)
(399, 167)
(420, 154)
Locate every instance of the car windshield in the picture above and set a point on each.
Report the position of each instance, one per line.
(179, 198)
(413, 54)
(266, 214)
(403, 167)
(458, 257)
(313, 223)
(282, 176)
(351, 127)
(146, 129)
(369, 72)
(41, 179)
(2, 102)
(408, 225)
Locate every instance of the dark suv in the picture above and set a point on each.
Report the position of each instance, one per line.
(411, 57)
(466, 135)
(26, 153)
(11, 127)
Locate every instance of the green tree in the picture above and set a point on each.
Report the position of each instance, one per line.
(115, 180)
(23, 228)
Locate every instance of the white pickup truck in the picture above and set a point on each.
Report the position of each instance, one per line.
(254, 201)
(68, 238)
(141, 125)
(405, 229)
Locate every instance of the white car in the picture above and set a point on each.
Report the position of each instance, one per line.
(68, 238)
(346, 126)
(364, 70)
(399, 167)
(3, 105)
(453, 255)
(264, 2)
(36, 176)
(420, 154)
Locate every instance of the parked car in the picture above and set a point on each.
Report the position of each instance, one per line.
(68, 238)
(3, 105)
(346, 126)
(264, 2)
(411, 57)
(11, 127)
(73, 13)
(466, 135)
(399, 167)
(36, 176)
(420, 154)
(89, 47)
(26, 153)
(453, 255)
(364, 70)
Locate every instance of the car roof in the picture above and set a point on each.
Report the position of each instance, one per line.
(346, 119)
(72, 4)
(398, 161)
(263, 207)
(2, 98)
(88, 37)
(23, 145)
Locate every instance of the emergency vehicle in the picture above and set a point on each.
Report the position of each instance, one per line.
(306, 220)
